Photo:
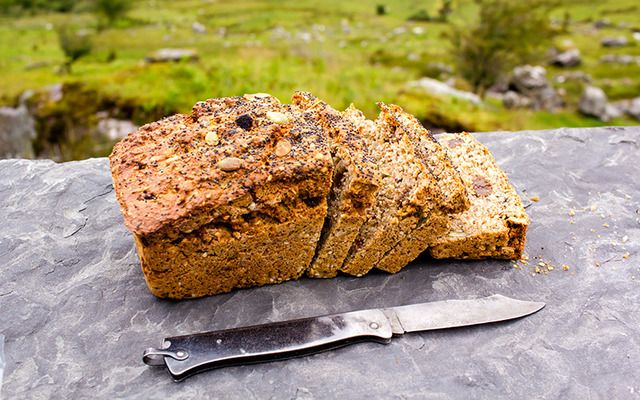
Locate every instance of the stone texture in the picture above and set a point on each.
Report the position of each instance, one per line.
(438, 88)
(614, 41)
(76, 313)
(172, 55)
(115, 129)
(531, 82)
(17, 131)
(630, 107)
(569, 58)
(594, 103)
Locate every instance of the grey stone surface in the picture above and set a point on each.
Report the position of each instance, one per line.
(569, 58)
(438, 88)
(76, 314)
(614, 41)
(172, 55)
(531, 82)
(17, 130)
(593, 102)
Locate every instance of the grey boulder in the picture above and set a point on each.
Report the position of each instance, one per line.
(594, 103)
(614, 41)
(172, 55)
(531, 82)
(17, 131)
(438, 88)
(569, 58)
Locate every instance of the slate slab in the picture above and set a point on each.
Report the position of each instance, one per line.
(76, 314)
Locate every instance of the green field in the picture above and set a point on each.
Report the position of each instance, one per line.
(340, 50)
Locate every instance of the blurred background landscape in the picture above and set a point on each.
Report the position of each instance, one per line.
(76, 76)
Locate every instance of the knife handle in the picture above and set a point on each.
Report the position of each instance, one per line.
(187, 355)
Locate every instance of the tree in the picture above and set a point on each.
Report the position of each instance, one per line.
(507, 33)
(109, 11)
(74, 45)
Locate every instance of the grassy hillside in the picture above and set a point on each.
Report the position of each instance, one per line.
(340, 50)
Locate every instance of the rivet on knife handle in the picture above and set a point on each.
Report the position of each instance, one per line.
(187, 355)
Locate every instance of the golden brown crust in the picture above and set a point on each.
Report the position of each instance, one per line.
(408, 191)
(214, 259)
(450, 193)
(495, 225)
(228, 180)
(246, 191)
(452, 190)
(355, 182)
(170, 176)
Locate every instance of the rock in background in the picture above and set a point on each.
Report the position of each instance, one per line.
(594, 102)
(569, 58)
(438, 88)
(17, 131)
(529, 87)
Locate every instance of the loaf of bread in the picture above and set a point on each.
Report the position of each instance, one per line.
(233, 195)
(246, 191)
(495, 225)
(356, 179)
(450, 193)
(407, 192)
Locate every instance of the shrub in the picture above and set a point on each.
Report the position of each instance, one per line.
(420, 16)
(74, 45)
(507, 33)
(17, 7)
(109, 11)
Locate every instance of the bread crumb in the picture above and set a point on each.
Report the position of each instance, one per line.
(605, 225)
(537, 270)
(626, 255)
(565, 267)
(534, 198)
(572, 213)
(550, 267)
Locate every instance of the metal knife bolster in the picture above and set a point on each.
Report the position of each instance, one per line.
(186, 355)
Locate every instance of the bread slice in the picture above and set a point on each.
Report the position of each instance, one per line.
(495, 225)
(355, 182)
(452, 193)
(407, 192)
(233, 195)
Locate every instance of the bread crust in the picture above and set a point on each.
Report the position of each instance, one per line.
(495, 225)
(356, 180)
(449, 191)
(407, 192)
(234, 168)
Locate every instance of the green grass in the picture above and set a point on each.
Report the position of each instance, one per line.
(364, 65)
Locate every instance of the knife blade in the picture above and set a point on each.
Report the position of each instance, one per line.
(186, 355)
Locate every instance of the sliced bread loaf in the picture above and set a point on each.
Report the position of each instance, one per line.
(451, 192)
(407, 192)
(355, 183)
(233, 195)
(495, 225)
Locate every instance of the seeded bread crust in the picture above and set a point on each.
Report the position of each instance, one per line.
(495, 225)
(355, 183)
(451, 196)
(233, 195)
(407, 192)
